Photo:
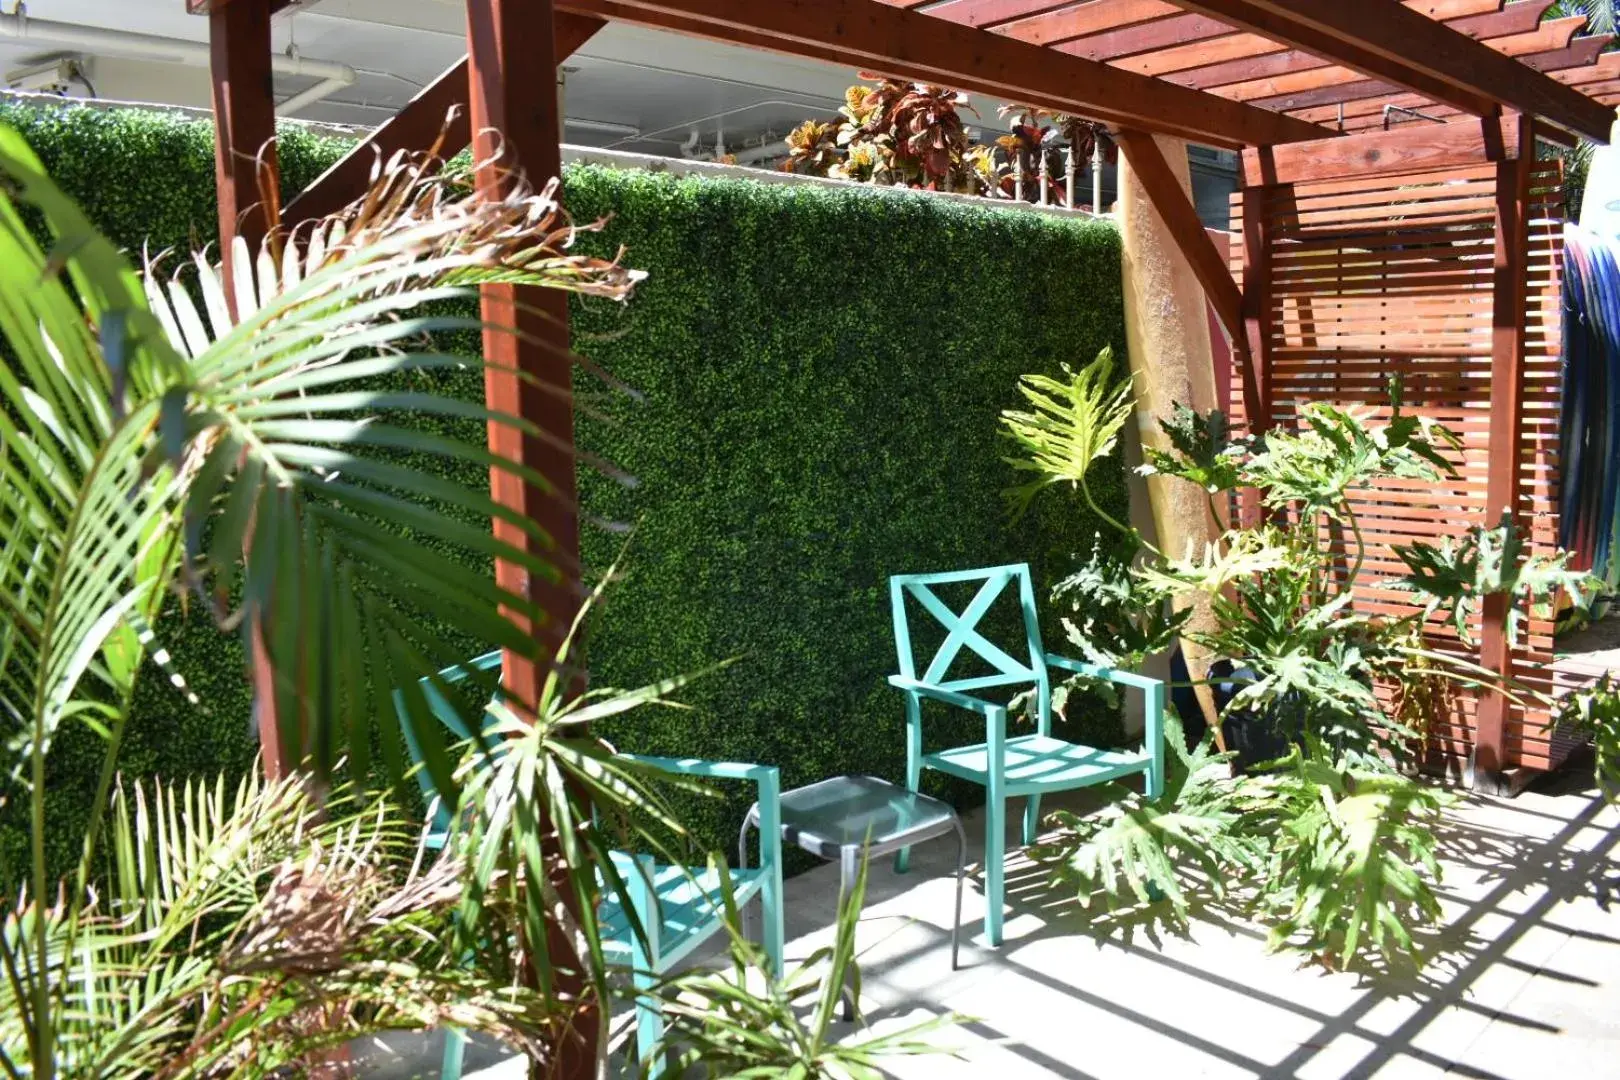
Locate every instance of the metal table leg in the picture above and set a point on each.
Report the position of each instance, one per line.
(848, 870)
(749, 821)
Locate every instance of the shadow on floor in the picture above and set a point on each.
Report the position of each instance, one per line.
(1514, 866)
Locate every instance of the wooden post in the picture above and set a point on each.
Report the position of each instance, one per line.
(1504, 467)
(245, 119)
(1257, 331)
(517, 136)
(245, 151)
(517, 133)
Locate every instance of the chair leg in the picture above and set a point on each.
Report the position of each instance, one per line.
(649, 1023)
(742, 864)
(995, 841)
(455, 1049)
(848, 870)
(1032, 819)
(902, 858)
(961, 875)
(995, 857)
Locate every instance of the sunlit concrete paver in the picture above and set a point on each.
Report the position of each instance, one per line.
(1524, 985)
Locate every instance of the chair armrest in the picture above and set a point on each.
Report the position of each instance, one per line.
(1097, 671)
(949, 697)
(1153, 691)
(713, 770)
(481, 663)
(768, 779)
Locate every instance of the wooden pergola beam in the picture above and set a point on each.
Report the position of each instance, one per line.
(1269, 59)
(1180, 217)
(208, 7)
(1460, 144)
(908, 45)
(1392, 43)
(440, 109)
(1582, 51)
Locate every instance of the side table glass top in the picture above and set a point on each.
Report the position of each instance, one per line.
(852, 810)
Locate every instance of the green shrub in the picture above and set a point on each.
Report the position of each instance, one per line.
(820, 373)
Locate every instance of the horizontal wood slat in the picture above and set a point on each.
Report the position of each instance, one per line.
(1384, 267)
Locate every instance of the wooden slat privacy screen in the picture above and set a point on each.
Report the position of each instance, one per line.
(1376, 275)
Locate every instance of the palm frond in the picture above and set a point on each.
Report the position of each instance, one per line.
(546, 804)
(250, 445)
(246, 926)
(746, 1021)
(308, 491)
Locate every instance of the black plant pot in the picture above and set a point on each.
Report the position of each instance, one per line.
(1259, 737)
(1256, 738)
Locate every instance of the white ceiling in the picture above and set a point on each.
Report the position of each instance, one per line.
(628, 88)
(635, 89)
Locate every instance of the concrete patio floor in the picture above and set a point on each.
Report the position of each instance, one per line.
(1524, 984)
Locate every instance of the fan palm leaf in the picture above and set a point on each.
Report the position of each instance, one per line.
(156, 432)
(235, 916)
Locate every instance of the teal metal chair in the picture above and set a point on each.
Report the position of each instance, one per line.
(678, 908)
(1023, 765)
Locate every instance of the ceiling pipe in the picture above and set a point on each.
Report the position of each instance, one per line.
(17, 26)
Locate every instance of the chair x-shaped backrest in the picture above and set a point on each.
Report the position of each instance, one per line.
(961, 628)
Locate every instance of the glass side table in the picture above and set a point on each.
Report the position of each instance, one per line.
(836, 818)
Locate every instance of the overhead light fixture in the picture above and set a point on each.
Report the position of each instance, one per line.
(604, 127)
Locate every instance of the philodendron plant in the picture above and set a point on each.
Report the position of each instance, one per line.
(1334, 841)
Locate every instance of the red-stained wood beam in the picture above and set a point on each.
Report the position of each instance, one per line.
(1178, 41)
(1081, 20)
(1258, 329)
(244, 111)
(1552, 46)
(1392, 43)
(1516, 18)
(1465, 142)
(1580, 53)
(1505, 456)
(909, 45)
(517, 129)
(1180, 217)
(983, 13)
(208, 7)
(245, 165)
(440, 109)
(1124, 42)
(516, 120)
(1368, 112)
(1257, 312)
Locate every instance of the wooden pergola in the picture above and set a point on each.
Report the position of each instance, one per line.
(1341, 111)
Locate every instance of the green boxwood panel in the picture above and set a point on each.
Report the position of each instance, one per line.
(820, 372)
(823, 369)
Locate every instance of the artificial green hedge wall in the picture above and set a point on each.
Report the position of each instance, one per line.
(146, 179)
(820, 372)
